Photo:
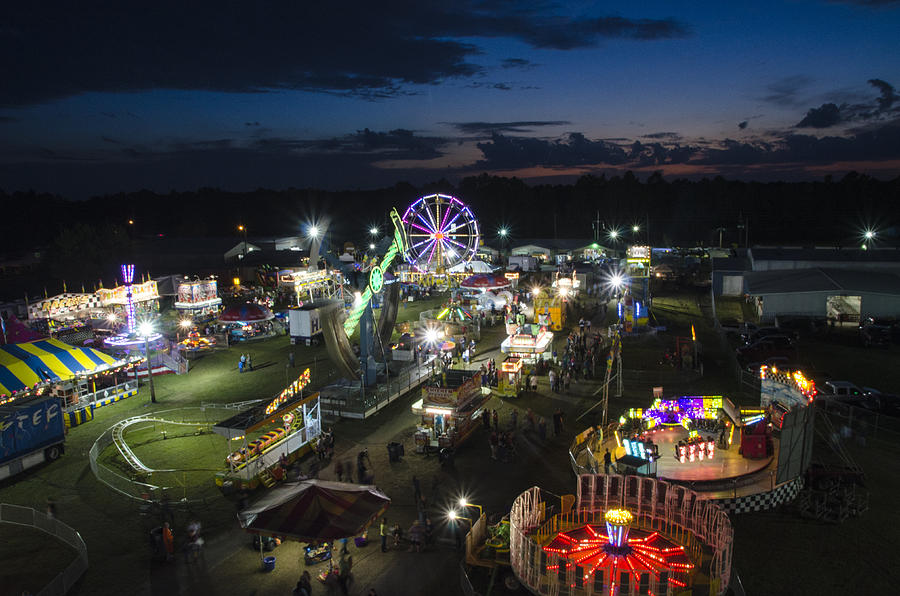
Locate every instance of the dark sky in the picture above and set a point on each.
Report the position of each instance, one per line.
(102, 97)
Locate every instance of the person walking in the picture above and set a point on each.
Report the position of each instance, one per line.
(339, 470)
(249, 362)
(542, 428)
(496, 419)
(168, 541)
(417, 489)
(607, 461)
(291, 359)
(383, 533)
(241, 363)
(304, 585)
(557, 423)
(348, 470)
(345, 566)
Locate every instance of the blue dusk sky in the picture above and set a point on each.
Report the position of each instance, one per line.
(102, 97)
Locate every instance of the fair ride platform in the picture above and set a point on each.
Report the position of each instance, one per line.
(726, 465)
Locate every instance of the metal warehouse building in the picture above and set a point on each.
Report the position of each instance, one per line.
(843, 294)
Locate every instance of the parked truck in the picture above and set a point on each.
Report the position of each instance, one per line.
(304, 323)
(31, 432)
(523, 263)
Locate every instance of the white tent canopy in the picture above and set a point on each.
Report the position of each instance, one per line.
(472, 266)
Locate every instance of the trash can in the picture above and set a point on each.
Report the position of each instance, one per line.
(269, 563)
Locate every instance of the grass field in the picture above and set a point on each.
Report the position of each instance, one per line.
(30, 557)
(113, 526)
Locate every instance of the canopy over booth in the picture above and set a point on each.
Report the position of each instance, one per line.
(246, 313)
(471, 266)
(23, 366)
(314, 510)
(485, 281)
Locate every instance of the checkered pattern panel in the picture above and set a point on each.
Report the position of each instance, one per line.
(70, 301)
(784, 493)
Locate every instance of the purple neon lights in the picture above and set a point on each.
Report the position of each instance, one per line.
(442, 231)
(130, 315)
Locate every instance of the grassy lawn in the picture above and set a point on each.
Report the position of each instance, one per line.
(112, 525)
(24, 550)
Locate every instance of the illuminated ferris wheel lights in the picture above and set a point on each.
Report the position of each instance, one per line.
(442, 230)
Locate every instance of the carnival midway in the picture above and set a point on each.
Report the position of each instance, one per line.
(369, 414)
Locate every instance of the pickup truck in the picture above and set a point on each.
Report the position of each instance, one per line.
(840, 389)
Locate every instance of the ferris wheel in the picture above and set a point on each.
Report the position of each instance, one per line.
(442, 233)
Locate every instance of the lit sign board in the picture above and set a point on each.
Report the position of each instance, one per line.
(293, 389)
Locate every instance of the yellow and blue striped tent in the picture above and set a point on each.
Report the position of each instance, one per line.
(23, 366)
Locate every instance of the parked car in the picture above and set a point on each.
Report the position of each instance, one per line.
(737, 327)
(759, 333)
(797, 325)
(784, 362)
(767, 347)
(840, 389)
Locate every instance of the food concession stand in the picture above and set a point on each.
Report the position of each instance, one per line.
(530, 342)
(450, 408)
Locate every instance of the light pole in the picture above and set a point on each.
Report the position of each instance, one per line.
(146, 330)
(243, 229)
(464, 503)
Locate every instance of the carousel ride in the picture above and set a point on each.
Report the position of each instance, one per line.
(620, 536)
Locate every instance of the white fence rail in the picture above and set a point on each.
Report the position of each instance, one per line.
(26, 516)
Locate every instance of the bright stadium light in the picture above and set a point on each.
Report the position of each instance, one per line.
(373, 230)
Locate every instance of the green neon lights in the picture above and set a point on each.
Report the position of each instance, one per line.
(376, 281)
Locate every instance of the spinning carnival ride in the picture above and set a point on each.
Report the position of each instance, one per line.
(337, 330)
(442, 232)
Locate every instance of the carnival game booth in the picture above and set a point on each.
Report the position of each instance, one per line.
(450, 408)
(531, 343)
(287, 425)
(247, 321)
(84, 378)
(198, 299)
(549, 309)
(511, 378)
(317, 512)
